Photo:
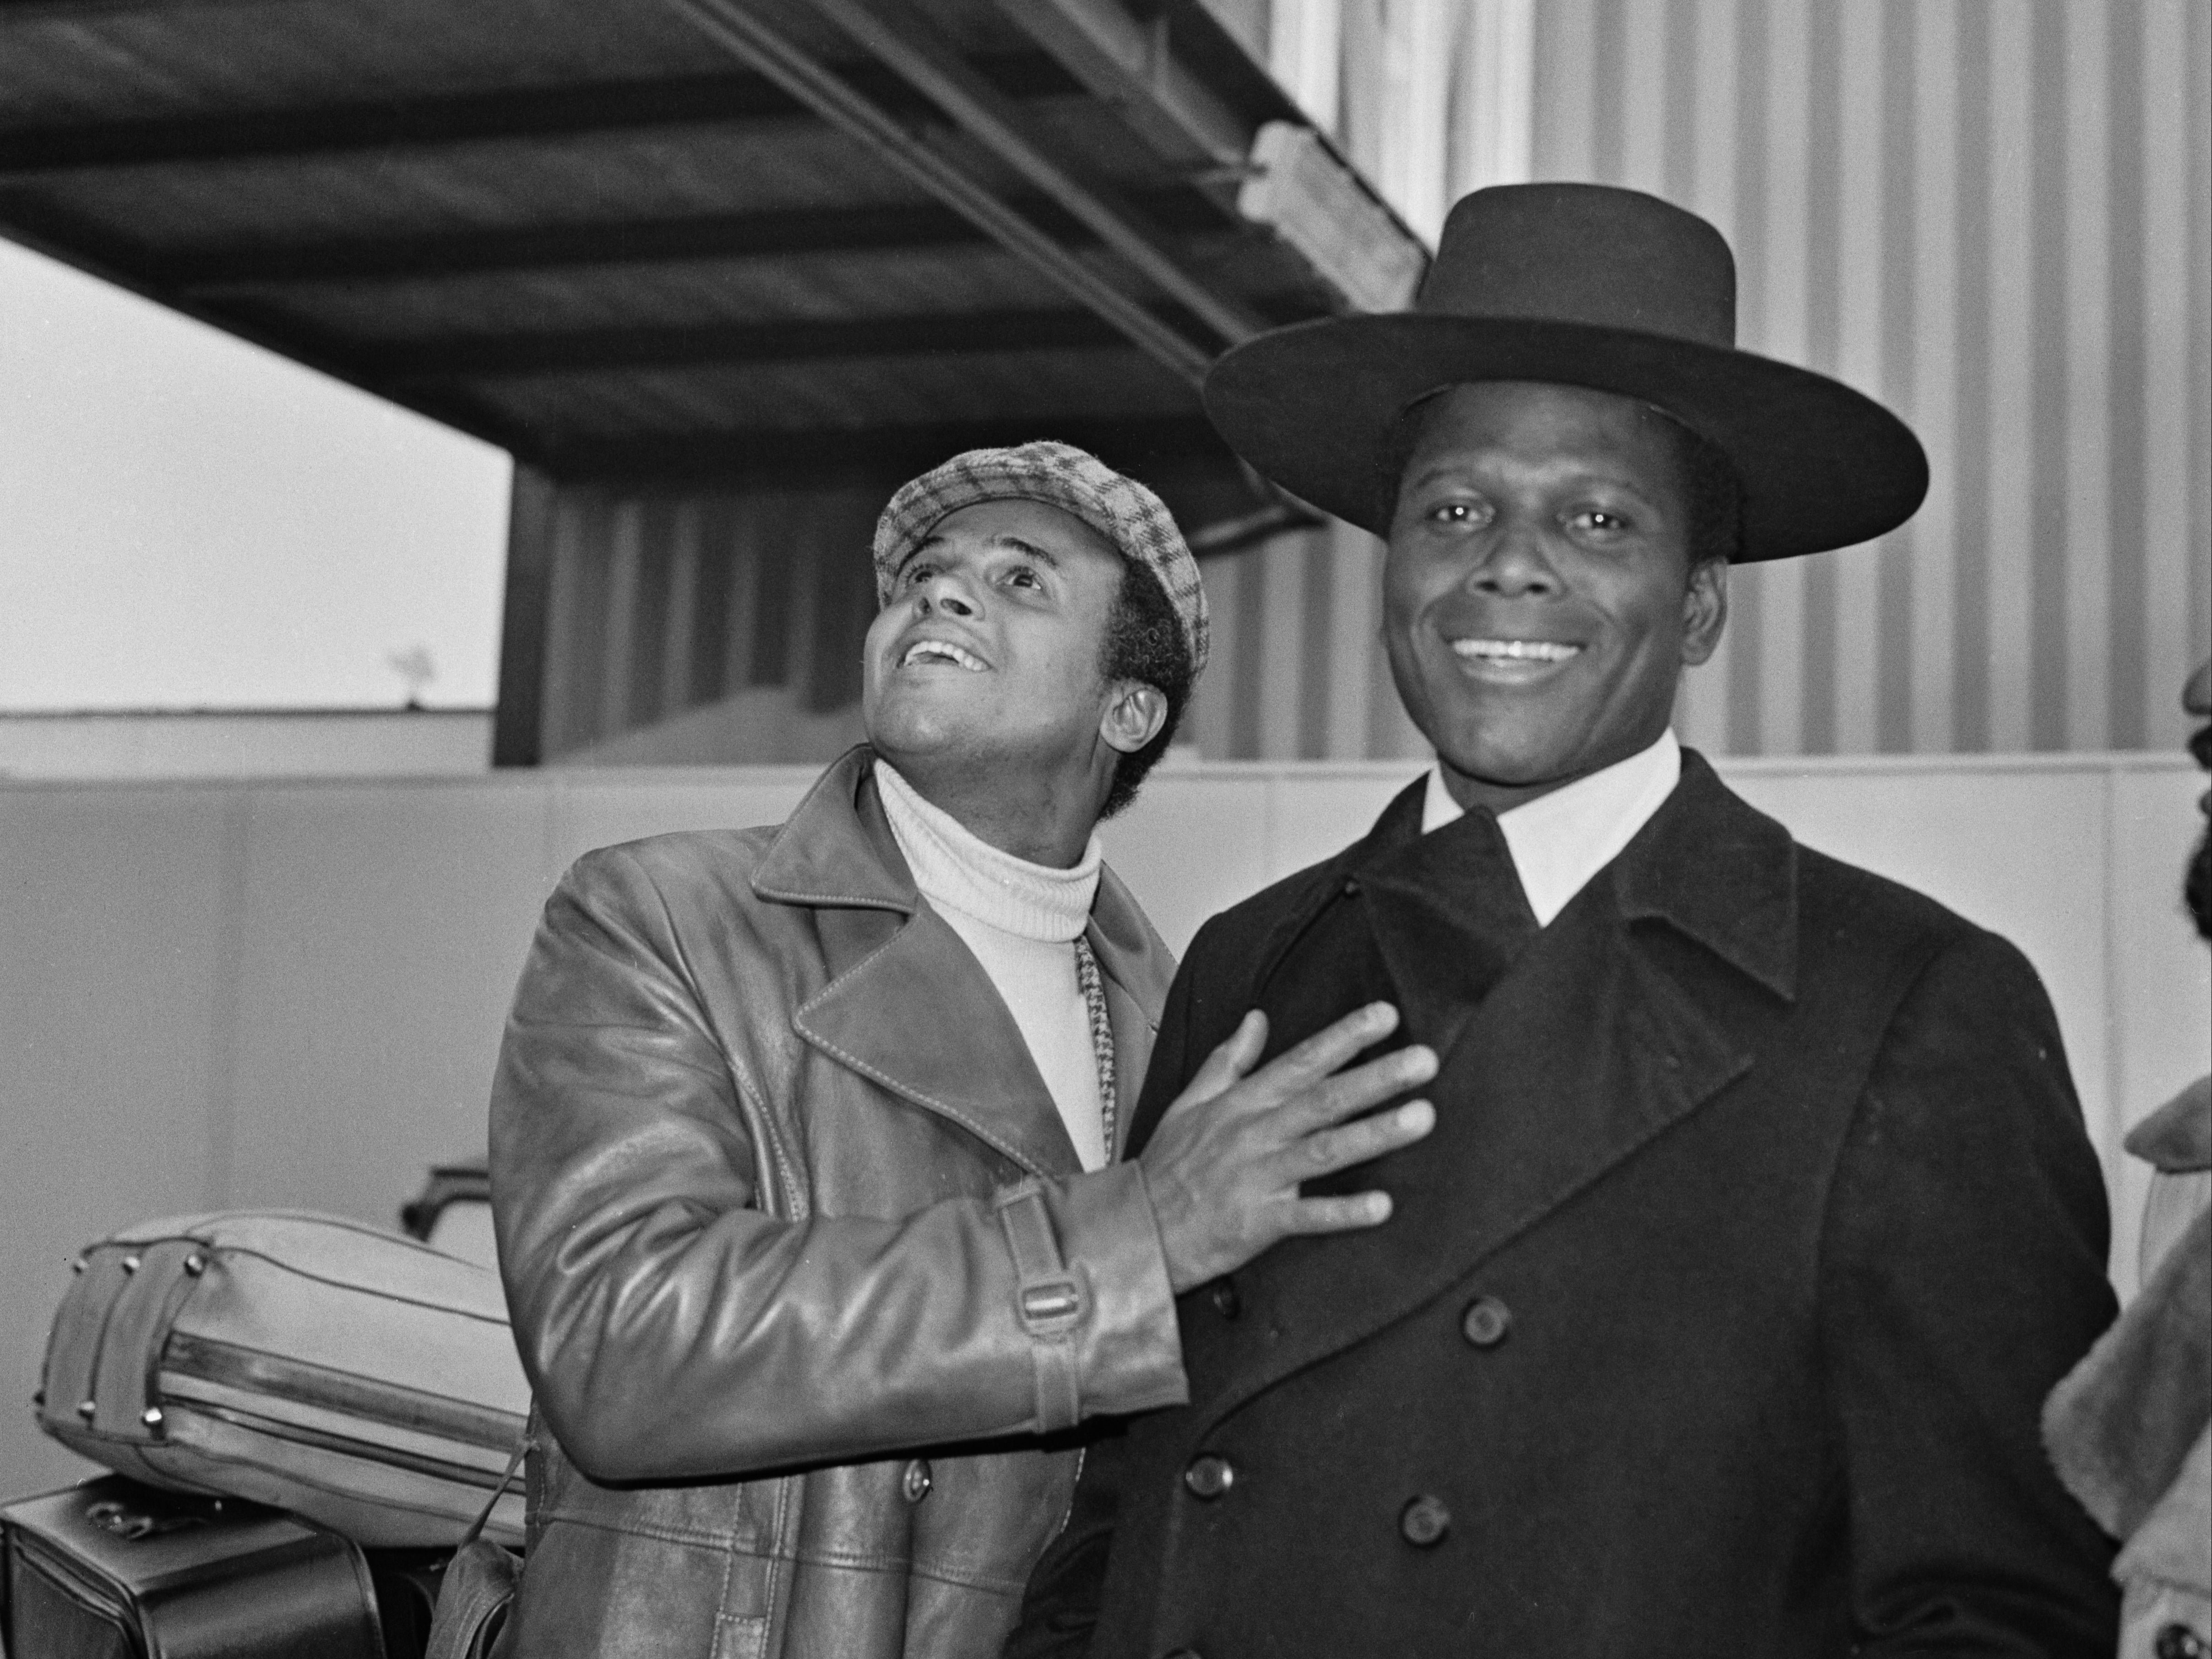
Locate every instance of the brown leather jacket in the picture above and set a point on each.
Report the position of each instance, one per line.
(800, 1259)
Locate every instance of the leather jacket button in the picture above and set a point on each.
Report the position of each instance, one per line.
(1226, 1302)
(914, 1484)
(1485, 1322)
(1209, 1476)
(1425, 1522)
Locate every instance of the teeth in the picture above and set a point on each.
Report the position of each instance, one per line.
(944, 650)
(1515, 650)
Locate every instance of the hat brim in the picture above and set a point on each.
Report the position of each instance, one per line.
(1312, 406)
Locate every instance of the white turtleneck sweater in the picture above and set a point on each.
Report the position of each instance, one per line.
(1022, 920)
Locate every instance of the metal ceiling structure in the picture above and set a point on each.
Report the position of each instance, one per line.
(715, 240)
(646, 235)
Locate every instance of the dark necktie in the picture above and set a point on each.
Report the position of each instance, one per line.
(1449, 917)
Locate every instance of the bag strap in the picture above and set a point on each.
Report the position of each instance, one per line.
(483, 1518)
(480, 1581)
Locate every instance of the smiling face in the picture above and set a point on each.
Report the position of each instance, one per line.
(983, 668)
(1539, 599)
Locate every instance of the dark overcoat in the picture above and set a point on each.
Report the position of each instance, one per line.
(1713, 1318)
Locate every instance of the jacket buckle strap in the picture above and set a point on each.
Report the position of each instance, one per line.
(1053, 1302)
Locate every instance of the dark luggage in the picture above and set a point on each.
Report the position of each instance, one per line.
(114, 1569)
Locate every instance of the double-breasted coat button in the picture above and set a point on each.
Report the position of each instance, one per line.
(915, 1483)
(1485, 1322)
(1208, 1476)
(1425, 1522)
(1226, 1302)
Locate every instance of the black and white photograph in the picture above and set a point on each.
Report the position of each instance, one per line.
(1105, 828)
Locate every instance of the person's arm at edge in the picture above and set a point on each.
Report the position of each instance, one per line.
(1963, 1273)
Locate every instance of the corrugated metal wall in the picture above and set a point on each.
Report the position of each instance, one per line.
(660, 603)
(1994, 215)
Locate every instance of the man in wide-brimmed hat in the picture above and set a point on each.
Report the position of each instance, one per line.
(806, 1140)
(1715, 1313)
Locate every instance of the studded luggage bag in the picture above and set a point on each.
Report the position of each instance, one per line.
(355, 1377)
(114, 1569)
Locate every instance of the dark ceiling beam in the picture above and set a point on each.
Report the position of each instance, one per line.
(568, 112)
(1140, 448)
(754, 40)
(725, 236)
(551, 247)
(528, 355)
(902, 37)
(1132, 63)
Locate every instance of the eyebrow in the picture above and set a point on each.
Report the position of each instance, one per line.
(1443, 469)
(1043, 555)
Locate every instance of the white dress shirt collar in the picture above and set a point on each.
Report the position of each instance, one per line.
(1559, 841)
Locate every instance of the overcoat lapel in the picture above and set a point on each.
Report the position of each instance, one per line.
(1584, 1051)
(1449, 917)
(908, 1006)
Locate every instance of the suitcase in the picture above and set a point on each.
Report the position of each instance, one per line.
(355, 1377)
(114, 1569)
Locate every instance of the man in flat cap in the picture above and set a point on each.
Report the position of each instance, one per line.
(1715, 1315)
(806, 1140)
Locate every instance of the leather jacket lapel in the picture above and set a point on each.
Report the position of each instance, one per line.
(920, 1017)
(908, 1006)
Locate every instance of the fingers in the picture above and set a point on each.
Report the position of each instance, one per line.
(1228, 1062)
(1300, 1067)
(1331, 1150)
(1338, 1215)
(1350, 1093)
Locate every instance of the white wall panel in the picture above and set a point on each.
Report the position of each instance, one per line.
(117, 913)
(1194, 843)
(594, 809)
(383, 931)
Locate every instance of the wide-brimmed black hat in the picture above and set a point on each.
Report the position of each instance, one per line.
(1580, 285)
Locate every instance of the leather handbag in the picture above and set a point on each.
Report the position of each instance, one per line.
(478, 1591)
(112, 1569)
(356, 1378)
(474, 1602)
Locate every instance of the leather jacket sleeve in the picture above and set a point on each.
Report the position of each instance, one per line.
(680, 1322)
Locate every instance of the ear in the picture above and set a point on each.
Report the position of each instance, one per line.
(1704, 609)
(1133, 715)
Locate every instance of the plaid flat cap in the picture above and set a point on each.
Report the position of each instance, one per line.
(1124, 511)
